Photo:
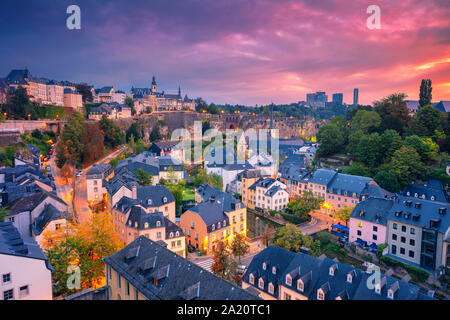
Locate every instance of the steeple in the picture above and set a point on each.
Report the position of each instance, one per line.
(153, 84)
(179, 91)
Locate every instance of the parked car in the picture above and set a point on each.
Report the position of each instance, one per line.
(79, 173)
(191, 248)
(48, 168)
(241, 269)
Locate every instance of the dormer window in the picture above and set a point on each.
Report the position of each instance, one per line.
(177, 234)
(332, 270)
(158, 223)
(224, 223)
(136, 224)
(377, 289)
(213, 227)
(433, 198)
(129, 223)
(288, 280)
(274, 270)
(261, 283)
(149, 201)
(349, 278)
(300, 285)
(165, 199)
(251, 279)
(390, 294)
(146, 225)
(264, 266)
(171, 235)
(218, 224)
(320, 295)
(271, 288)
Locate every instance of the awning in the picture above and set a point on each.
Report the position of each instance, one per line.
(361, 242)
(373, 246)
(340, 227)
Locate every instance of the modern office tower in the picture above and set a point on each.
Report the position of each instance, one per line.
(355, 96)
(338, 98)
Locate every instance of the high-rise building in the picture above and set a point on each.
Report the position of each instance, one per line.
(355, 96)
(338, 98)
(317, 100)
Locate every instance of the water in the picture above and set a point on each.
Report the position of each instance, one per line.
(257, 224)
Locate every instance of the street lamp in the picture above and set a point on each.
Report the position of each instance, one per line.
(29, 116)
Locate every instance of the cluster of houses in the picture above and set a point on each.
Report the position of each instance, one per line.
(112, 102)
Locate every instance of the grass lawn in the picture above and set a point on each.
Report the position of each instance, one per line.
(188, 195)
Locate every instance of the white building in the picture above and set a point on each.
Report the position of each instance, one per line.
(270, 194)
(94, 181)
(119, 97)
(25, 273)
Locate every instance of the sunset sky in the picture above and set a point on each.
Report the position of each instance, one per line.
(234, 51)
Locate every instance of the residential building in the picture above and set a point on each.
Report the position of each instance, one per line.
(268, 194)
(309, 152)
(249, 177)
(218, 218)
(23, 211)
(145, 270)
(25, 271)
(73, 99)
(119, 97)
(48, 222)
(95, 186)
(105, 95)
(279, 274)
(4, 91)
(368, 222)
(164, 148)
(30, 157)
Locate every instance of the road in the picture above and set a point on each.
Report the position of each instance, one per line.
(64, 189)
(206, 262)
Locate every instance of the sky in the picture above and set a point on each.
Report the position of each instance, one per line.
(234, 51)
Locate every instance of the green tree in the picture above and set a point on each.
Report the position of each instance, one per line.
(425, 122)
(72, 138)
(393, 112)
(155, 136)
(423, 149)
(304, 204)
(132, 144)
(239, 246)
(289, 237)
(344, 214)
(366, 121)
(353, 141)
(136, 130)
(331, 140)
(357, 169)
(221, 260)
(114, 162)
(425, 95)
(387, 180)
(114, 136)
(145, 178)
(130, 103)
(391, 142)
(3, 213)
(407, 165)
(370, 150)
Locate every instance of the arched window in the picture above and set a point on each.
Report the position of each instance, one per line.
(165, 199)
(251, 279)
(271, 288)
(136, 224)
(149, 201)
(171, 235)
(177, 233)
(300, 285)
(264, 266)
(288, 280)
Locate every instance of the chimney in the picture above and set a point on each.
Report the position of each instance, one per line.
(134, 191)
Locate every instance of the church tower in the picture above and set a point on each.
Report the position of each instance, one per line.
(153, 85)
(179, 91)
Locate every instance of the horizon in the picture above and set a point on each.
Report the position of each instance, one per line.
(229, 53)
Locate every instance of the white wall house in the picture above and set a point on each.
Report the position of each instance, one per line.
(270, 194)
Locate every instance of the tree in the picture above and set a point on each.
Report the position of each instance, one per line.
(423, 149)
(132, 144)
(393, 112)
(370, 150)
(155, 136)
(425, 122)
(84, 245)
(93, 146)
(331, 140)
(304, 204)
(387, 180)
(136, 130)
(267, 236)
(145, 178)
(407, 165)
(72, 138)
(114, 162)
(357, 169)
(3, 213)
(85, 91)
(20, 105)
(289, 237)
(213, 109)
(353, 141)
(221, 259)
(366, 121)
(239, 246)
(391, 141)
(344, 214)
(425, 93)
(114, 136)
(130, 103)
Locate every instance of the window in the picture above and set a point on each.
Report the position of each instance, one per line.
(171, 235)
(251, 279)
(412, 231)
(412, 242)
(119, 284)
(359, 232)
(375, 228)
(374, 237)
(24, 291)
(158, 223)
(403, 228)
(128, 289)
(288, 280)
(349, 278)
(8, 294)
(261, 283)
(271, 289)
(402, 250)
(300, 285)
(158, 235)
(402, 239)
(6, 278)
(135, 294)
(287, 296)
(146, 225)
(390, 294)
(95, 189)
(274, 270)
(411, 254)
(394, 226)
(57, 226)
(320, 295)
(166, 208)
(394, 249)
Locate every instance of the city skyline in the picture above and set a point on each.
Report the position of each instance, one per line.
(231, 53)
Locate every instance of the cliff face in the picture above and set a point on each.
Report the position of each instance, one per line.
(290, 128)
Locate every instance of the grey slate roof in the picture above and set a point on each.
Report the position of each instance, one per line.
(99, 171)
(47, 215)
(177, 277)
(158, 194)
(30, 201)
(375, 210)
(342, 183)
(315, 274)
(322, 176)
(433, 190)
(13, 243)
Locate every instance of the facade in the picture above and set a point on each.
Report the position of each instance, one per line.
(105, 95)
(218, 218)
(25, 271)
(368, 221)
(73, 99)
(145, 270)
(96, 188)
(355, 96)
(338, 98)
(279, 274)
(268, 194)
(119, 97)
(249, 177)
(50, 220)
(317, 100)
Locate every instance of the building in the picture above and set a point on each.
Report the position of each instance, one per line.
(73, 99)
(25, 271)
(217, 218)
(23, 211)
(50, 220)
(164, 148)
(268, 194)
(95, 186)
(309, 152)
(4, 91)
(119, 97)
(105, 95)
(145, 270)
(317, 100)
(338, 98)
(279, 274)
(30, 157)
(368, 222)
(355, 96)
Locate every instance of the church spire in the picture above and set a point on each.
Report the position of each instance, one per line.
(179, 91)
